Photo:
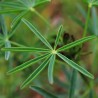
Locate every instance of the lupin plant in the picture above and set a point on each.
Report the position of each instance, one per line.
(49, 55)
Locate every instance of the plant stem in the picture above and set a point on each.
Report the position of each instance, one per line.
(74, 73)
(87, 21)
(73, 84)
(38, 14)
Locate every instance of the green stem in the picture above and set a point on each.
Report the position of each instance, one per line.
(74, 74)
(38, 14)
(87, 21)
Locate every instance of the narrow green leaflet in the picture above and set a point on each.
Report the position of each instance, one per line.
(7, 53)
(58, 36)
(18, 18)
(37, 33)
(27, 64)
(33, 3)
(40, 2)
(35, 73)
(43, 92)
(3, 25)
(5, 11)
(51, 68)
(27, 3)
(15, 5)
(76, 66)
(25, 49)
(75, 43)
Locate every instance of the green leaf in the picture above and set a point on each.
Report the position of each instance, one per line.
(3, 25)
(76, 66)
(58, 36)
(33, 3)
(50, 69)
(18, 18)
(27, 3)
(92, 2)
(75, 43)
(27, 64)
(40, 2)
(15, 5)
(7, 53)
(25, 49)
(43, 92)
(37, 33)
(5, 11)
(35, 73)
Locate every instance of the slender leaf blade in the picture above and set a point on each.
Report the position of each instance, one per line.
(35, 73)
(3, 25)
(58, 36)
(40, 2)
(76, 66)
(43, 92)
(50, 69)
(75, 43)
(15, 5)
(37, 33)
(27, 64)
(5, 11)
(25, 49)
(18, 18)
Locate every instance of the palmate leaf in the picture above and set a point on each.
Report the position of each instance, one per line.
(37, 33)
(58, 36)
(25, 49)
(43, 92)
(27, 64)
(75, 43)
(35, 73)
(50, 69)
(76, 66)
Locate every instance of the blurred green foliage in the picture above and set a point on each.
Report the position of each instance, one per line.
(72, 14)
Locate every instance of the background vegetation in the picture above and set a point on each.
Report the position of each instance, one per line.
(72, 15)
